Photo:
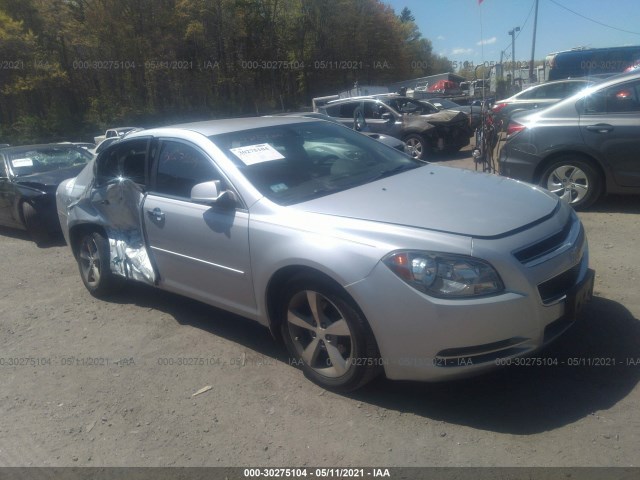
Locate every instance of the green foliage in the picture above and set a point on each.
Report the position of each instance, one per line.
(85, 65)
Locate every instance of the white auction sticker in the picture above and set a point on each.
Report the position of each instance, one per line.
(252, 154)
(22, 162)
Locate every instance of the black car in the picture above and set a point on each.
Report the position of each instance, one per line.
(29, 176)
(423, 128)
(582, 147)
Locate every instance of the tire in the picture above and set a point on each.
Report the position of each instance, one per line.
(93, 262)
(341, 361)
(34, 224)
(574, 179)
(417, 146)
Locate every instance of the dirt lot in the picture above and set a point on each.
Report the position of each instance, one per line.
(95, 385)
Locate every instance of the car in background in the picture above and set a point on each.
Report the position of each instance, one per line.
(103, 145)
(29, 176)
(363, 259)
(581, 147)
(422, 127)
(85, 145)
(536, 97)
(474, 113)
(115, 132)
(390, 141)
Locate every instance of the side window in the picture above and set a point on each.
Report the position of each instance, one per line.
(180, 168)
(347, 109)
(126, 160)
(623, 98)
(373, 110)
(333, 110)
(550, 91)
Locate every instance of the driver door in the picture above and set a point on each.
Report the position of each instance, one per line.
(380, 119)
(201, 251)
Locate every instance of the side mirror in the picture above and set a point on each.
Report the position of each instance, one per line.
(209, 193)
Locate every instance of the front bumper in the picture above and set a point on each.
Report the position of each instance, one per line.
(428, 339)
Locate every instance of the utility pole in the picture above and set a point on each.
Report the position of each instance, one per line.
(533, 44)
(513, 54)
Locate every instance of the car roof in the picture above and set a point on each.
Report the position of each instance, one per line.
(217, 127)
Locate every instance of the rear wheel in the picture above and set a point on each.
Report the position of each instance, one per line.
(574, 180)
(34, 224)
(327, 336)
(93, 262)
(416, 146)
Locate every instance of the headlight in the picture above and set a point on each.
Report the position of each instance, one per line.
(445, 275)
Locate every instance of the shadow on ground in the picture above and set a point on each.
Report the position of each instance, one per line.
(55, 240)
(617, 204)
(595, 370)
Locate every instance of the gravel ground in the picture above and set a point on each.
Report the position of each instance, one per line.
(95, 386)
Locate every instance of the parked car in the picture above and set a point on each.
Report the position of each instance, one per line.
(474, 113)
(85, 145)
(363, 259)
(103, 145)
(29, 176)
(583, 146)
(390, 141)
(536, 97)
(445, 87)
(423, 128)
(114, 133)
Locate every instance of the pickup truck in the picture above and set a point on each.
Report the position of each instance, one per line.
(114, 132)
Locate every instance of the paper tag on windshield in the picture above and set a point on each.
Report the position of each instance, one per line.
(252, 154)
(22, 162)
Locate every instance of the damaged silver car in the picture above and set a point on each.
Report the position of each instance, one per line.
(363, 259)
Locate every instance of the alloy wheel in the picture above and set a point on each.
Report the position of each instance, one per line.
(320, 333)
(90, 262)
(568, 182)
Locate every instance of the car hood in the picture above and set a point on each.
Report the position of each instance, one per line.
(49, 180)
(443, 117)
(443, 199)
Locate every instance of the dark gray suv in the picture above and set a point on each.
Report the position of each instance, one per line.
(583, 146)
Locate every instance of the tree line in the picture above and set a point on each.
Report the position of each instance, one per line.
(71, 68)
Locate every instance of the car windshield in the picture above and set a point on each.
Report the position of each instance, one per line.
(297, 162)
(33, 160)
(444, 103)
(409, 106)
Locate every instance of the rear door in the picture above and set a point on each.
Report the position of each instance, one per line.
(200, 251)
(610, 125)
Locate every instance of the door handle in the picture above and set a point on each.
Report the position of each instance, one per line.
(156, 214)
(600, 128)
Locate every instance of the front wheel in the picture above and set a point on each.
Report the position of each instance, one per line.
(416, 146)
(327, 336)
(574, 180)
(94, 264)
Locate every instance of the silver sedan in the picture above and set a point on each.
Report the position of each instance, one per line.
(363, 259)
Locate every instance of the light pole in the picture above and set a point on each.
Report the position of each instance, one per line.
(513, 54)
